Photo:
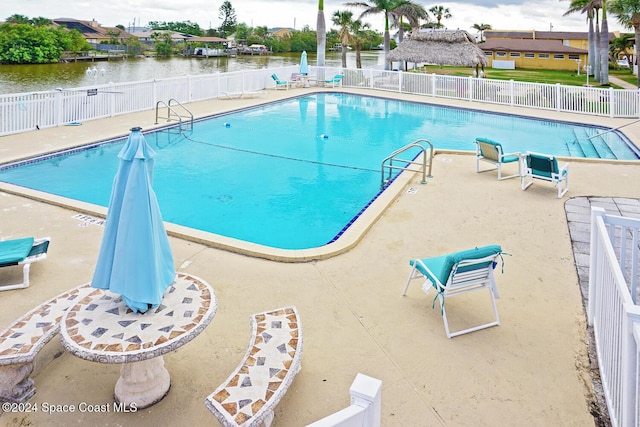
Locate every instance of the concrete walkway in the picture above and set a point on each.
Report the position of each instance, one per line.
(533, 370)
(623, 84)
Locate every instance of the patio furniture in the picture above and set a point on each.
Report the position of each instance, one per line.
(101, 328)
(335, 81)
(459, 273)
(545, 167)
(21, 341)
(280, 84)
(23, 252)
(272, 360)
(491, 152)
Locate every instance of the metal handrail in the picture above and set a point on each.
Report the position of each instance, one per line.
(171, 112)
(423, 163)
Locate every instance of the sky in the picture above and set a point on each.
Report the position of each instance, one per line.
(544, 15)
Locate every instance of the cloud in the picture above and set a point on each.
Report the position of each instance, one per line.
(500, 14)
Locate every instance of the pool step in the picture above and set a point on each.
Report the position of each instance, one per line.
(593, 146)
(599, 143)
(574, 147)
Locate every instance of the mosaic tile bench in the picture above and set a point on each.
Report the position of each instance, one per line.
(247, 397)
(21, 342)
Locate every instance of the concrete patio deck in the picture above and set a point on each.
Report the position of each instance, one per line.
(533, 370)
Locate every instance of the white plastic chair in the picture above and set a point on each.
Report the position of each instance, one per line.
(491, 152)
(456, 274)
(545, 167)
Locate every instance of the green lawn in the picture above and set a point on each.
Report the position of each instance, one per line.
(569, 78)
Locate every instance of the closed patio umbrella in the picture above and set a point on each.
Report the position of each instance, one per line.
(135, 258)
(304, 66)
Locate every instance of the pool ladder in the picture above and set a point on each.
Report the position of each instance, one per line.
(388, 165)
(172, 112)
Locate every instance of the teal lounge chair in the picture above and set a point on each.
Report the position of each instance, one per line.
(459, 273)
(545, 167)
(491, 152)
(336, 81)
(280, 84)
(22, 252)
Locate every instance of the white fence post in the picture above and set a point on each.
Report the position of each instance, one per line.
(365, 408)
(433, 84)
(593, 263)
(112, 100)
(612, 102)
(59, 109)
(511, 93)
(367, 392)
(629, 353)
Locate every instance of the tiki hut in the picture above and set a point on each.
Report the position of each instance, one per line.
(456, 48)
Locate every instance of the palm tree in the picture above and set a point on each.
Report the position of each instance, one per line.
(604, 47)
(628, 14)
(588, 7)
(440, 12)
(18, 19)
(412, 12)
(321, 36)
(343, 19)
(358, 31)
(386, 7)
(481, 28)
(621, 45)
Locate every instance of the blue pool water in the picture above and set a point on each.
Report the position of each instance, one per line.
(294, 174)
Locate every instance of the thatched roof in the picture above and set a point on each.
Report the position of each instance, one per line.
(440, 47)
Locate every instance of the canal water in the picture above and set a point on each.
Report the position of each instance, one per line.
(43, 77)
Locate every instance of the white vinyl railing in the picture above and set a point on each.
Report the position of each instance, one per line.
(365, 408)
(29, 111)
(614, 313)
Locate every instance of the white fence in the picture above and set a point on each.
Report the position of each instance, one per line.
(28, 111)
(614, 313)
(365, 408)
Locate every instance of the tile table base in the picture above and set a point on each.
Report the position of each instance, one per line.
(142, 384)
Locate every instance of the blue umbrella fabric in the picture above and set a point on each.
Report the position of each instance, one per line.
(135, 258)
(304, 66)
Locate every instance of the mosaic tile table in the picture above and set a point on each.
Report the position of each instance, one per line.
(101, 328)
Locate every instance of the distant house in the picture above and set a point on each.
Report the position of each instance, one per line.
(92, 31)
(541, 50)
(148, 35)
(280, 32)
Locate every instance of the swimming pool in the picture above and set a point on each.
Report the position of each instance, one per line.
(296, 173)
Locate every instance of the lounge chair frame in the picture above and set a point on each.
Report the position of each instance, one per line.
(38, 253)
(466, 276)
(491, 152)
(280, 84)
(545, 167)
(335, 81)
